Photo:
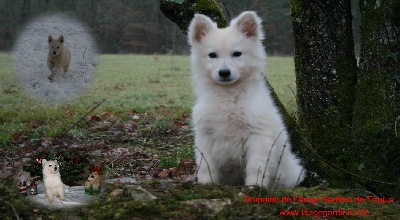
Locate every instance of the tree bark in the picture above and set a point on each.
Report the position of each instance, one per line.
(325, 76)
(182, 12)
(377, 107)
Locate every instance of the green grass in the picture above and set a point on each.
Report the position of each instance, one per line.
(142, 83)
(126, 82)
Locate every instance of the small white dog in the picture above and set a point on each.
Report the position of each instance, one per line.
(52, 180)
(239, 133)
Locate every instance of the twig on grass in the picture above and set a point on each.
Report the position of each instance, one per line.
(5, 166)
(7, 177)
(208, 167)
(266, 163)
(83, 57)
(13, 208)
(279, 162)
(83, 117)
(197, 170)
(258, 173)
(395, 125)
(292, 91)
(298, 179)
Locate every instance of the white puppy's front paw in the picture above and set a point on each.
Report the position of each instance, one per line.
(205, 177)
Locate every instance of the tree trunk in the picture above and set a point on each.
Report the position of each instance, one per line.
(376, 126)
(182, 12)
(325, 76)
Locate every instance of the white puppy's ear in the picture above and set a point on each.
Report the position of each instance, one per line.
(50, 39)
(61, 39)
(44, 161)
(199, 28)
(249, 24)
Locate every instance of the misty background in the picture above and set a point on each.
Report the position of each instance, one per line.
(137, 26)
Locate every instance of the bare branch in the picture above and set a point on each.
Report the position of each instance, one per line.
(83, 117)
(208, 167)
(15, 212)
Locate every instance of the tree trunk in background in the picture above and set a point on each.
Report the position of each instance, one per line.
(26, 10)
(377, 105)
(182, 12)
(325, 76)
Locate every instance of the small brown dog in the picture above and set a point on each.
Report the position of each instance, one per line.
(94, 178)
(59, 56)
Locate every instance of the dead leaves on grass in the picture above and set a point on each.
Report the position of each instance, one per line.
(147, 145)
(183, 171)
(129, 148)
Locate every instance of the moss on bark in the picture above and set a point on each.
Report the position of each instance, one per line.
(377, 103)
(325, 77)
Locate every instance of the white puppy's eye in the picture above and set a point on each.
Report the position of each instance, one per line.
(212, 55)
(58, 47)
(237, 54)
(49, 165)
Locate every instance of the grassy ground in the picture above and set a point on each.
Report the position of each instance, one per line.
(126, 82)
(145, 115)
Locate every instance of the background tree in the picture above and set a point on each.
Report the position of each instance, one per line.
(348, 114)
(119, 26)
(376, 122)
(325, 77)
(136, 26)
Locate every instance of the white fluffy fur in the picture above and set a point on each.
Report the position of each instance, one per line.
(52, 180)
(236, 124)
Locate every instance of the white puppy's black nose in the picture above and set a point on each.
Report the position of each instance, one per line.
(224, 73)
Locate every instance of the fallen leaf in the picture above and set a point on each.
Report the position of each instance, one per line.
(117, 192)
(94, 118)
(163, 174)
(16, 135)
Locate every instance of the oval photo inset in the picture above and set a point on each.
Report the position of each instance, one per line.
(55, 57)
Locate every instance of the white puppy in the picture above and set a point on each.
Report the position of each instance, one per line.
(52, 180)
(239, 133)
